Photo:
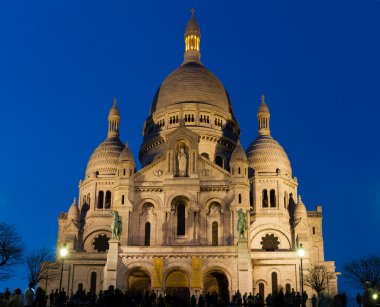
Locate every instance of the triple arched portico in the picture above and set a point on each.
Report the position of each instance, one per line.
(178, 278)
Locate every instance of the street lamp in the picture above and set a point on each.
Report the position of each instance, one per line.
(63, 253)
(301, 254)
(374, 297)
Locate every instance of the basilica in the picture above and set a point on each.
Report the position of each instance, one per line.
(202, 214)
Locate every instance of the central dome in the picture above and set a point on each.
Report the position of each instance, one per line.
(191, 82)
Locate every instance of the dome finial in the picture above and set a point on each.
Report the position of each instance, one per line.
(192, 40)
(263, 116)
(114, 101)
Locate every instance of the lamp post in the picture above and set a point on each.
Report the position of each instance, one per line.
(63, 254)
(301, 254)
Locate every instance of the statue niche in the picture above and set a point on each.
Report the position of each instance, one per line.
(182, 158)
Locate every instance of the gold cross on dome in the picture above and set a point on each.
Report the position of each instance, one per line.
(192, 11)
(262, 98)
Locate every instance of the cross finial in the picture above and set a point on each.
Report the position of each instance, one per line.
(114, 101)
(262, 98)
(192, 11)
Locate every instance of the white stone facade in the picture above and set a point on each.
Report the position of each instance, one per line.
(179, 211)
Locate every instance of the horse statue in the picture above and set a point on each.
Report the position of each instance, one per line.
(116, 226)
(241, 224)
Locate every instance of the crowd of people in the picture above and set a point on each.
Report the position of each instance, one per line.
(115, 297)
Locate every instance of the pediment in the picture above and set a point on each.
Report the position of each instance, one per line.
(153, 171)
(210, 170)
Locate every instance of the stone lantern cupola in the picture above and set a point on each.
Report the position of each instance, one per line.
(192, 40)
(113, 121)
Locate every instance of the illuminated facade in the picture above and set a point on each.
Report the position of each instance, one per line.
(181, 210)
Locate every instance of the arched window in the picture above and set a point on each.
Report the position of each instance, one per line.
(239, 198)
(214, 233)
(219, 161)
(147, 234)
(108, 200)
(122, 199)
(265, 198)
(272, 198)
(274, 284)
(239, 170)
(100, 200)
(261, 289)
(181, 220)
(93, 283)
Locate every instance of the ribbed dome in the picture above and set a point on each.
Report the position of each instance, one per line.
(105, 157)
(266, 155)
(191, 82)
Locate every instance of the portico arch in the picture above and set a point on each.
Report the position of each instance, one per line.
(217, 280)
(177, 283)
(138, 280)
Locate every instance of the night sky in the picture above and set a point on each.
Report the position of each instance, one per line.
(317, 63)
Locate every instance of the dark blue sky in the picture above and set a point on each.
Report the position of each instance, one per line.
(317, 62)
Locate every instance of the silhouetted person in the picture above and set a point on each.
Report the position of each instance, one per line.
(201, 301)
(268, 300)
(279, 300)
(109, 297)
(304, 298)
(359, 299)
(314, 301)
(298, 300)
(29, 295)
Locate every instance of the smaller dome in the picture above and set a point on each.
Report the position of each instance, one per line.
(105, 157)
(300, 212)
(238, 153)
(265, 154)
(73, 213)
(126, 155)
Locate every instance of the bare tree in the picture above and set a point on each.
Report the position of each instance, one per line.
(319, 278)
(11, 249)
(363, 271)
(40, 265)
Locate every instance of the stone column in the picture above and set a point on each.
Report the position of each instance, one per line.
(112, 265)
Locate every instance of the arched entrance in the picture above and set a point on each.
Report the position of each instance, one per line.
(138, 282)
(217, 282)
(177, 288)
